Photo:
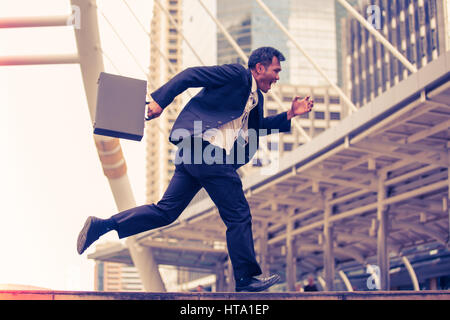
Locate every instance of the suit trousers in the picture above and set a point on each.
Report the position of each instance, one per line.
(224, 186)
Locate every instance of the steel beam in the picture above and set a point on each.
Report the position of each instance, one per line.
(39, 59)
(368, 207)
(31, 22)
(382, 245)
(328, 254)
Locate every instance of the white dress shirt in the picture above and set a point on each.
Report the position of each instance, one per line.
(225, 135)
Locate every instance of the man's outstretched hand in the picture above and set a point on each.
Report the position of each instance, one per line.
(299, 107)
(153, 111)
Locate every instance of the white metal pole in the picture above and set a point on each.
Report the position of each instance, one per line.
(322, 283)
(31, 22)
(347, 282)
(307, 56)
(377, 35)
(412, 273)
(38, 59)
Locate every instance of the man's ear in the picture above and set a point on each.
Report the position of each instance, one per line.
(259, 68)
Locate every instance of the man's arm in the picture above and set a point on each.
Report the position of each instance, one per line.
(282, 121)
(211, 76)
(279, 122)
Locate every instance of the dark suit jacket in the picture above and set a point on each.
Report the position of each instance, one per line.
(225, 93)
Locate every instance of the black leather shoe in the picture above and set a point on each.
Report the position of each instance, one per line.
(91, 231)
(257, 284)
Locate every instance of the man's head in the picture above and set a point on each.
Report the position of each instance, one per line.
(265, 65)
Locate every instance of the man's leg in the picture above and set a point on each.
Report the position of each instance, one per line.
(224, 186)
(182, 188)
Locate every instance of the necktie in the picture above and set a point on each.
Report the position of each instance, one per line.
(252, 98)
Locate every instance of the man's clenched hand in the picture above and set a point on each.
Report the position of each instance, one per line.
(153, 111)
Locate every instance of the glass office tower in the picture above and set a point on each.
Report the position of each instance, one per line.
(311, 22)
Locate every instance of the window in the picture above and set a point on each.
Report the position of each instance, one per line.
(257, 162)
(288, 146)
(273, 146)
(334, 100)
(335, 116)
(319, 99)
(319, 115)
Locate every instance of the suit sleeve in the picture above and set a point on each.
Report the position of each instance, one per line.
(278, 122)
(195, 77)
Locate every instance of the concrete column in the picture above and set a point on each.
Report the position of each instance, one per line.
(446, 201)
(263, 250)
(230, 277)
(328, 254)
(433, 284)
(291, 271)
(382, 248)
(220, 278)
(147, 267)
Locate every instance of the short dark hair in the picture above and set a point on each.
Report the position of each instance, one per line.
(264, 55)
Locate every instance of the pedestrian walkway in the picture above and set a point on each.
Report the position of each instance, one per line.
(94, 295)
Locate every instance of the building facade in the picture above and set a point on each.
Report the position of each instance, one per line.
(111, 276)
(341, 15)
(165, 61)
(417, 29)
(326, 114)
(169, 55)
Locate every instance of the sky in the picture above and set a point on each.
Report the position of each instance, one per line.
(51, 178)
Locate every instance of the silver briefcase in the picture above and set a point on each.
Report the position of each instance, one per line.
(120, 110)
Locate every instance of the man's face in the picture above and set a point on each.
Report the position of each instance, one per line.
(266, 76)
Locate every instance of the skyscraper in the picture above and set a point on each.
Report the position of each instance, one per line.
(311, 22)
(165, 61)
